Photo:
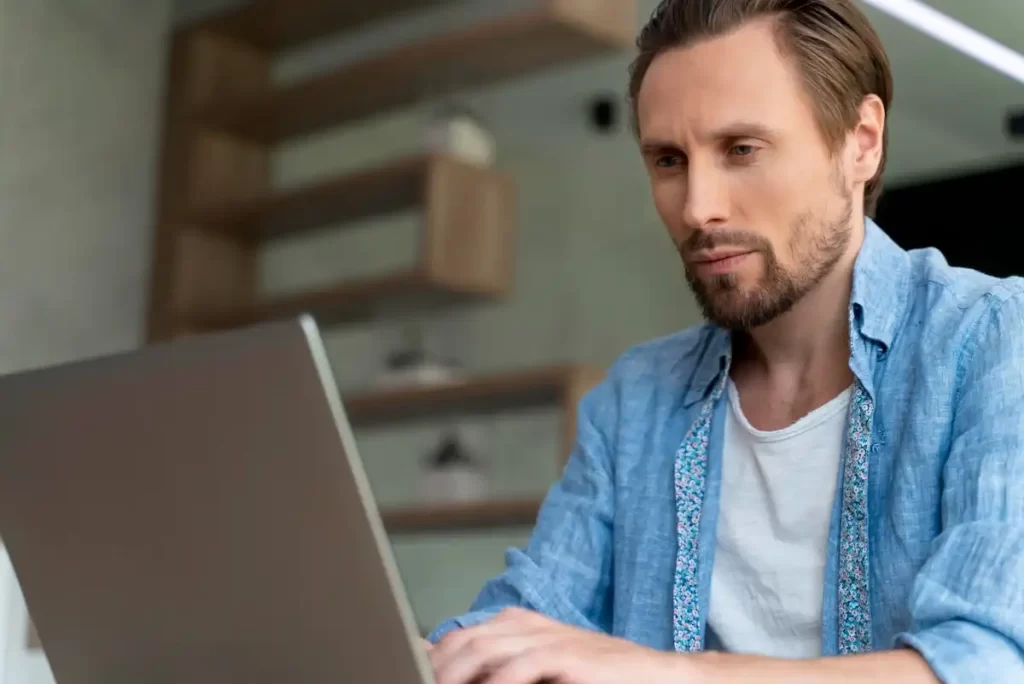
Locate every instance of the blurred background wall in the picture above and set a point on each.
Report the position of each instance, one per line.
(80, 89)
(80, 100)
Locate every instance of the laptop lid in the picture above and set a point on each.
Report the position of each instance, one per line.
(197, 512)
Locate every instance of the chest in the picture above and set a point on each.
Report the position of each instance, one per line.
(774, 405)
(881, 506)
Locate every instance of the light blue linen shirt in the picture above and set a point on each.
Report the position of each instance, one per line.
(926, 548)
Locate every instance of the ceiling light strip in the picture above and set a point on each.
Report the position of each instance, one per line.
(959, 36)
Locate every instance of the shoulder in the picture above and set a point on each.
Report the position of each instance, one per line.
(958, 303)
(963, 287)
(647, 391)
(663, 370)
(662, 356)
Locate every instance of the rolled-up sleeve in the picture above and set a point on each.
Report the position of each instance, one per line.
(565, 570)
(967, 603)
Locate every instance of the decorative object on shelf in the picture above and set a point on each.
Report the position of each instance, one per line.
(452, 473)
(410, 364)
(457, 132)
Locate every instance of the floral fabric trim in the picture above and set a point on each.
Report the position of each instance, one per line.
(690, 470)
(854, 598)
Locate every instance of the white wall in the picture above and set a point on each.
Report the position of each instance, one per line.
(18, 663)
(80, 99)
(8, 622)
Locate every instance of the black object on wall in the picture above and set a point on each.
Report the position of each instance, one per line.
(604, 113)
(975, 220)
(1015, 124)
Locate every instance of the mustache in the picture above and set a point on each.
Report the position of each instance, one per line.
(723, 237)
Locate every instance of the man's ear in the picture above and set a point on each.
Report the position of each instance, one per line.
(868, 139)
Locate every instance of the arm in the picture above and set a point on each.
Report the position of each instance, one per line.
(967, 604)
(565, 570)
(902, 667)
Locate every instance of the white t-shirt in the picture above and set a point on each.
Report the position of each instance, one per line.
(775, 511)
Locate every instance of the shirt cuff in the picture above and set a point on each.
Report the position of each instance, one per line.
(461, 622)
(961, 652)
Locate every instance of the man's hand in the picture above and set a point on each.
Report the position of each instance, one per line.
(522, 647)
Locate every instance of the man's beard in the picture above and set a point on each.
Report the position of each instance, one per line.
(815, 253)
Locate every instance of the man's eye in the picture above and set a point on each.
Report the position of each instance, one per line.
(667, 161)
(742, 150)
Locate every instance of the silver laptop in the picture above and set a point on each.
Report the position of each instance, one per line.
(197, 512)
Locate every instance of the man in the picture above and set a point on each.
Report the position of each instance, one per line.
(825, 482)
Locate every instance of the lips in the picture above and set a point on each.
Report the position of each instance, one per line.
(720, 262)
(716, 256)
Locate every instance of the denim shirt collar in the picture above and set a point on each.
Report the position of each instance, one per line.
(881, 278)
(878, 300)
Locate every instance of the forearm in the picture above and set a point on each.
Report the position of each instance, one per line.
(899, 667)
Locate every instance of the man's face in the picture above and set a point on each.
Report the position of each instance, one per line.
(741, 175)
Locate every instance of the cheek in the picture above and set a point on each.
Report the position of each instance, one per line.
(769, 201)
(669, 200)
(761, 196)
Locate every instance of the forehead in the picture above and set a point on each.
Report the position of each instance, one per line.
(739, 76)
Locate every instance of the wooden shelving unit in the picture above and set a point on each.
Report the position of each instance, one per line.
(554, 33)
(561, 386)
(464, 251)
(468, 516)
(348, 301)
(276, 26)
(399, 185)
(217, 207)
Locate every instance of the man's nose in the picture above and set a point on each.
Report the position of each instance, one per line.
(707, 201)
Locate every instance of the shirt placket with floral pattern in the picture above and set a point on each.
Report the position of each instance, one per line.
(691, 466)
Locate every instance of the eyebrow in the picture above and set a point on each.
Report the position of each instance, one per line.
(731, 131)
(741, 129)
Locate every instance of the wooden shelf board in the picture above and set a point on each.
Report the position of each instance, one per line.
(462, 516)
(486, 393)
(387, 188)
(348, 301)
(283, 24)
(480, 55)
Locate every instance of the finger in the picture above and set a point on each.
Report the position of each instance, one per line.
(508, 622)
(535, 666)
(427, 646)
(479, 657)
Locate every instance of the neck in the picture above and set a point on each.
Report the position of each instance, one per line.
(813, 337)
